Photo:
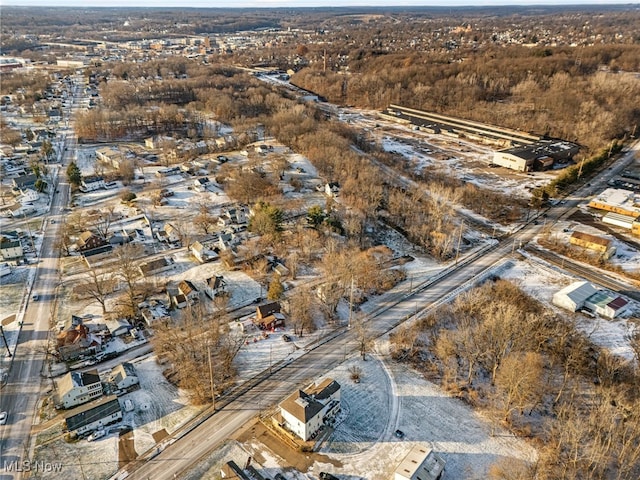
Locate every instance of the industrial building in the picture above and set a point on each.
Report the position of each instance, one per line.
(584, 296)
(617, 200)
(540, 155)
(593, 242)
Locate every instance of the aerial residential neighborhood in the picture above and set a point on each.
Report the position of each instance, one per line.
(320, 243)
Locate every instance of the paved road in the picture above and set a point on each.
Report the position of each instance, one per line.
(20, 394)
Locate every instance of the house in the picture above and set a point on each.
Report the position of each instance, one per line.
(89, 241)
(179, 300)
(156, 266)
(189, 290)
(421, 463)
(270, 322)
(94, 415)
(203, 252)
(24, 181)
(76, 388)
(124, 376)
(332, 189)
(306, 411)
(214, 286)
(155, 313)
(263, 311)
(10, 249)
(233, 216)
(75, 340)
(227, 240)
(593, 242)
(18, 210)
(201, 184)
(110, 155)
(172, 233)
(89, 184)
(118, 327)
(29, 195)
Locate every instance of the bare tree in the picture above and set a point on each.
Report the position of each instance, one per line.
(127, 269)
(302, 308)
(363, 335)
(98, 286)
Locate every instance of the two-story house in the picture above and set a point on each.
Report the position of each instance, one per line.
(76, 388)
(306, 411)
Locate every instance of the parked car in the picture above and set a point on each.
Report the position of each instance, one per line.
(327, 476)
(35, 297)
(3, 418)
(96, 435)
(286, 338)
(399, 434)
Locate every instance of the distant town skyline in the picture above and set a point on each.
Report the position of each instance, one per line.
(301, 3)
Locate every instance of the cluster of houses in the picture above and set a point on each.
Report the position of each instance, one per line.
(83, 395)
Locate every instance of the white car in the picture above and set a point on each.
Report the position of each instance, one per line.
(96, 435)
(3, 418)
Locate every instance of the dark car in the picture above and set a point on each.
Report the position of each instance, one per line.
(286, 338)
(327, 476)
(279, 476)
(399, 434)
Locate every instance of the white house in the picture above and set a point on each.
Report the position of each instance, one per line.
(124, 376)
(305, 412)
(10, 249)
(28, 195)
(203, 252)
(76, 388)
(94, 415)
(421, 463)
(118, 327)
(214, 285)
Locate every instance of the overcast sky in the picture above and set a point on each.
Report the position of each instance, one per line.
(293, 3)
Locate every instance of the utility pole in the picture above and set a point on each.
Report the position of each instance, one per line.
(459, 242)
(350, 304)
(213, 393)
(5, 342)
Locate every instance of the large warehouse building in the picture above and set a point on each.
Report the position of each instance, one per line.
(539, 155)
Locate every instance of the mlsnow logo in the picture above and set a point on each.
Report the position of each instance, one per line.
(29, 466)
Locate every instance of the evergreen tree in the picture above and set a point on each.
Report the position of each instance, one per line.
(74, 174)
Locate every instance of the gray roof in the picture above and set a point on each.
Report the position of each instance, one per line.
(92, 412)
(578, 292)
